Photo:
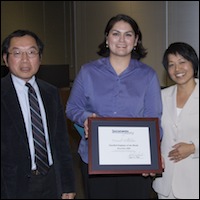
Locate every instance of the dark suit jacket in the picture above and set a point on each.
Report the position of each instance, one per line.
(15, 154)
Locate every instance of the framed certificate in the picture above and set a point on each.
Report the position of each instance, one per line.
(124, 145)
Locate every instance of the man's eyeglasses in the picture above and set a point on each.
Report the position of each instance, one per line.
(17, 53)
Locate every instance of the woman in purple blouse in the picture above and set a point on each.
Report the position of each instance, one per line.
(116, 85)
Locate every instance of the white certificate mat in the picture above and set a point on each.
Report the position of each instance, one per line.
(124, 145)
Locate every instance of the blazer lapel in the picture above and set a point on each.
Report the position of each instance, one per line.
(190, 105)
(170, 103)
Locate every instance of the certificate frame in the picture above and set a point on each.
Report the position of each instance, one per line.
(114, 156)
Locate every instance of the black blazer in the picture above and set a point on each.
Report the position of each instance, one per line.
(15, 154)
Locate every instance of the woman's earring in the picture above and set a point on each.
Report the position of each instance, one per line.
(134, 48)
(106, 44)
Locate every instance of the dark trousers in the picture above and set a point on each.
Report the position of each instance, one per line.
(42, 186)
(115, 186)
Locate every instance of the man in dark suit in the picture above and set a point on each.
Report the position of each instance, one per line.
(20, 177)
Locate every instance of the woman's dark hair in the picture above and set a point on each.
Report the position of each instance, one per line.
(184, 50)
(139, 51)
(20, 33)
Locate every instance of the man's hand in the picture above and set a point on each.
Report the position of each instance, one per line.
(68, 195)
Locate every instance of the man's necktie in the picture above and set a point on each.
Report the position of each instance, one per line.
(41, 157)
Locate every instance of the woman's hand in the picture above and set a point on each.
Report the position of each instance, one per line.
(153, 174)
(181, 150)
(86, 125)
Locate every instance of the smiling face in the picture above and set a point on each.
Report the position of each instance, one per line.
(180, 69)
(121, 39)
(24, 65)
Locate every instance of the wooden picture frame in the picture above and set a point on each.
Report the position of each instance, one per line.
(124, 145)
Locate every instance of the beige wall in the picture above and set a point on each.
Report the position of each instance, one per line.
(161, 23)
(72, 30)
(50, 20)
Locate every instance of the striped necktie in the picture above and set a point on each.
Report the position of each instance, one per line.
(41, 157)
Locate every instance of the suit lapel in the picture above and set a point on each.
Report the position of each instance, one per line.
(13, 109)
(48, 106)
